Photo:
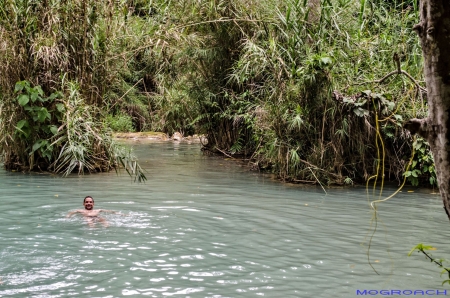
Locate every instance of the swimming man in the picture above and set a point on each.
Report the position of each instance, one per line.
(90, 214)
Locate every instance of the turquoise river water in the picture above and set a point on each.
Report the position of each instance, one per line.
(208, 227)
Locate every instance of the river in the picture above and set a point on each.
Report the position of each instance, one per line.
(208, 227)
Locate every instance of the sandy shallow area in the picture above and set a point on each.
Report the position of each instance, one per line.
(158, 137)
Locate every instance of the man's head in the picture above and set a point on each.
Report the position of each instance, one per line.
(88, 203)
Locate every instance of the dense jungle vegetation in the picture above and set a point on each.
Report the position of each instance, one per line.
(309, 89)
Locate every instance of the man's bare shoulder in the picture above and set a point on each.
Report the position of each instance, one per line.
(77, 211)
(87, 212)
(105, 210)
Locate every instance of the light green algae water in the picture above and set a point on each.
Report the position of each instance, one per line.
(207, 227)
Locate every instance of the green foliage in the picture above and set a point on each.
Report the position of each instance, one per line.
(439, 262)
(422, 165)
(54, 44)
(36, 126)
(298, 86)
(421, 248)
(59, 133)
(85, 144)
(291, 73)
(266, 80)
(119, 122)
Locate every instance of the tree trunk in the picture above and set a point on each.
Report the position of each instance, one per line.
(434, 34)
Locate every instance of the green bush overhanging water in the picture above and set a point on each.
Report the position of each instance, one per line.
(311, 90)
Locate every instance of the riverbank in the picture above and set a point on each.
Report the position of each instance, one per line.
(158, 136)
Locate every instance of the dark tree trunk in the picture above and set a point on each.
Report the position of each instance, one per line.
(434, 34)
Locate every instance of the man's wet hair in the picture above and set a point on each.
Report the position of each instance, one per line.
(88, 197)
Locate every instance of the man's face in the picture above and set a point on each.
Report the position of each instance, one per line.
(88, 204)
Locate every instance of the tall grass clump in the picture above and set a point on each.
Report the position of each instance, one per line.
(297, 86)
(319, 107)
(48, 48)
(301, 87)
(206, 41)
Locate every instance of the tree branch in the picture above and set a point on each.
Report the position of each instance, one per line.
(399, 71)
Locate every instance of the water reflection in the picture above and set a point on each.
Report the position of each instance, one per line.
(206, 227)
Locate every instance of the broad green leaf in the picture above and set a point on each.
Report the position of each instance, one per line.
(22, 123)
(43, 114)
(361, 112)
(358, 112)
(47, 153)
(54, 95)
(360, 103)
(60, 107)
(54, 129)
(19, 86)
(23, 99)
(37, 145)
(34, 96)
(39, 90)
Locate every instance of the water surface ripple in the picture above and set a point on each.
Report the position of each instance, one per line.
(207, 227)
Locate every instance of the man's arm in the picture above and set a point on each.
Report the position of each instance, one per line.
(72, 213)
(107, 211)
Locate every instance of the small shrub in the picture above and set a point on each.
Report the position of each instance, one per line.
(120, 122)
